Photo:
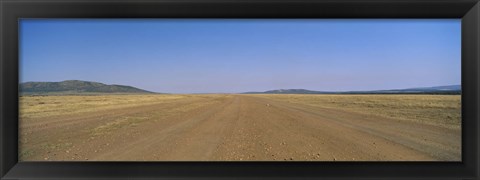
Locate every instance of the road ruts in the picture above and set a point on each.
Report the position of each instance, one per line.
(238, 128)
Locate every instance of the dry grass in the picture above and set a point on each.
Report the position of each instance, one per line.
(32, 107)
(117, 124)
(41, 109)
(441, 110)
(45, 136)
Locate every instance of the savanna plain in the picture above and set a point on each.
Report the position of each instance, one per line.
(240, 127)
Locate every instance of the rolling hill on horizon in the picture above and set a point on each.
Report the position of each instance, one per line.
(89, 87)
(76, 87)
(450, 89)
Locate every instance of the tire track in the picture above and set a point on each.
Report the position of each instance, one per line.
(239, 127)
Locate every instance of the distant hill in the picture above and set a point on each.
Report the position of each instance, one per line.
(75, 87)
(452, 89)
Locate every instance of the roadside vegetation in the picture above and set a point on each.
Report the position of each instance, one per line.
(441, 110)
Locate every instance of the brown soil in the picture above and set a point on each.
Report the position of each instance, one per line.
(233, 127)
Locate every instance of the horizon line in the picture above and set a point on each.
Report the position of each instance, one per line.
(260, 91)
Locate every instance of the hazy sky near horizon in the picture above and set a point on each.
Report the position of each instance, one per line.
(229, 56)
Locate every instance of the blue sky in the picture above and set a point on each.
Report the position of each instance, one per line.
(229, 56)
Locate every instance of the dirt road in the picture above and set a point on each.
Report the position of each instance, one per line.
(234, 127)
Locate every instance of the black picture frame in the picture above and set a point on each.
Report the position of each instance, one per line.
(12, 10)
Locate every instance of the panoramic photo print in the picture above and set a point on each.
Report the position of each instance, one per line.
(240, 90)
